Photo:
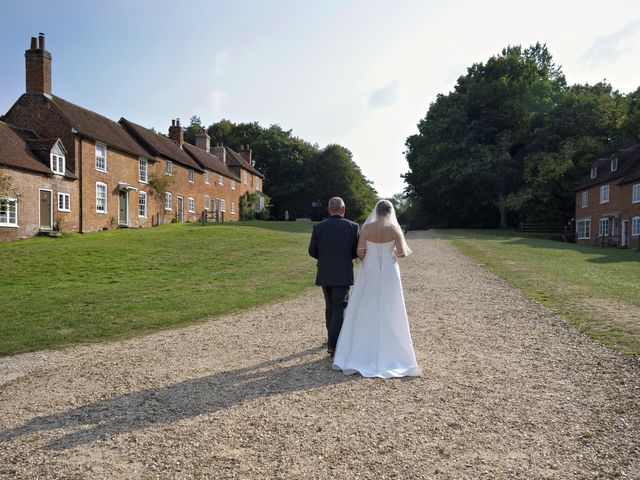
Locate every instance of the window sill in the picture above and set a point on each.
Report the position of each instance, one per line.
(64, 211)
(5, 225)
(101, 171)
(101, 213)
(168, 209)
(143, 181)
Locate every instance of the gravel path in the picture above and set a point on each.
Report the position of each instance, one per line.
(509, 391)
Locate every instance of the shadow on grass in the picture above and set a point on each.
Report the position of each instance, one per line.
(183, 400)
(603, 255)
(286, 227)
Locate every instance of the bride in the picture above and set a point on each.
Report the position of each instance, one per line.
(375, 339)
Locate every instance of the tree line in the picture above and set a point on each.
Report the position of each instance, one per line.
(297, 173)
(511, 142)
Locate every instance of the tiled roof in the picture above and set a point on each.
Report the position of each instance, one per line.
(98, 127)
(235, 159)
(628, 168)
(15, 151)
(209, 161)
(159, 145)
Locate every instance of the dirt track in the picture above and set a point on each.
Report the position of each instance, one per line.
(509, 391)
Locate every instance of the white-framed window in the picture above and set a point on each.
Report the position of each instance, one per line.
(143, 170)
(223, 205)
(192, 176)
(585, 199)
(594, 172)
(64, 202)
(57, 164)
(101, 157)
(257, 187)
(142, 204)
(101, 197)
(192, 205)
(635, 194)
(168, 168)
(220, 180)
(603, 231)
(168, 201)
(583, 229)
(207, 202)
(245, 177)
(604, 193)
(233, 208)
(207, 177)
(614, 164)
(8, 212)
(635, 226)
(233, 184)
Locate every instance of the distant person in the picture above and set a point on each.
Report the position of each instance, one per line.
(286, 215)
(375, 340)
(334, 244)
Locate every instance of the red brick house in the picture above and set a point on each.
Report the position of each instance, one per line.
(102, 170)
(608, 201)
(241, 163)
(43, 192)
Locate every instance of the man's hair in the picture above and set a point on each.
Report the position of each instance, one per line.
(336, 204)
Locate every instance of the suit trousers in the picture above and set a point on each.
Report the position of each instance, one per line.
(335, 300)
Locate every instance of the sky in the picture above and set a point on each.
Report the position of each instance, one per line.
(359, 73)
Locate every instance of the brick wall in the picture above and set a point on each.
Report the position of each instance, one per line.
(619, 208)
(27, 185)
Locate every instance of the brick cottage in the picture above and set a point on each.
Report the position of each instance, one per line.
(608, 201)
(72, 169)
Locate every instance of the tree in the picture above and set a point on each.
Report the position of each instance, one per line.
(6, 186)
(195, 126)
(159, 185)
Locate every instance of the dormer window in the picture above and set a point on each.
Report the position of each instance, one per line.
(614, 164)
(57, 159)
(594, 172)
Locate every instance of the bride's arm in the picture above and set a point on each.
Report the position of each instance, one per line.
(400, 253)
(362, 243)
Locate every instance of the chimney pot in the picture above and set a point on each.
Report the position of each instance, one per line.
(178, 121)
(34, 43)
(41, 41)
(38, 67)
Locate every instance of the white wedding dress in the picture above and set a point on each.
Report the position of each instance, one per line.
(375, 340)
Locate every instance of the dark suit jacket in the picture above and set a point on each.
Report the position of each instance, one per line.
(334, 244)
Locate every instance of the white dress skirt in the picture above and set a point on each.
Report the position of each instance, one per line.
(375, 340)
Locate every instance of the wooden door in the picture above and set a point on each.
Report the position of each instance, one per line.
(123, 213)
(46, 212)
(180, 209)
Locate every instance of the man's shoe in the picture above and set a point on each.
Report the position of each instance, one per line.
(331, 351)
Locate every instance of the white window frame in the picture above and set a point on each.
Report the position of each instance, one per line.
(192, 176)
(106, 165)
(594, 172)
(585, 199)
(635, 226)
(604, 194)
(614, 164)
(207, 177)
(55, 162)
(143, 170)
(168, 201)
(8, 223)
(66, 196)
(168, 168)
(106, 201)
(635, 193)
(233, 184)
(233, 208)
(257, 187)
(142, 213)
(586, 235)
(220, 180)
(604, 227)
(191, 205)
(245, 177)
(207, 202)
(223, 205)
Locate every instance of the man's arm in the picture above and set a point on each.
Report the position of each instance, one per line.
(313, 244)
(354, 253)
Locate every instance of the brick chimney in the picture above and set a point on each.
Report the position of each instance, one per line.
(220, 152)
(245, 151)
(176, 133)
(203, 140)
(38, 67)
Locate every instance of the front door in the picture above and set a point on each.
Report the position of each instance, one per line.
(46, 212)
(180, 209)
(123, 215)
(623, 234)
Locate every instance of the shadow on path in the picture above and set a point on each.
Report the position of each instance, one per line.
(182, 400)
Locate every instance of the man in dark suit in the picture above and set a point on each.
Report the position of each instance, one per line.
(334, 244)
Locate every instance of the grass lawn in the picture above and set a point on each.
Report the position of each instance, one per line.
(596, 289)
(99, 286)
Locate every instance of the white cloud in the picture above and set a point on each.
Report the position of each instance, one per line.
(608, 49)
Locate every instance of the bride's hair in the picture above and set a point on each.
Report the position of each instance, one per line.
(383, 208)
